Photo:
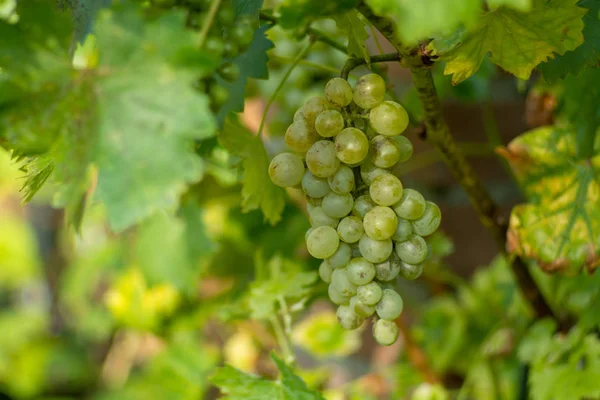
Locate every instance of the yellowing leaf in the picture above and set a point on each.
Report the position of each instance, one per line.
(517, 41)
(560, 226)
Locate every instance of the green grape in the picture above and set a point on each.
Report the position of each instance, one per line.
(286, 170)
(299, 115)
(340, 282)
(413, 250)
(347, 318)
(390, 306)
(385, 332)
(218, 95)
(338, 92)
(429, 221)
(229, 71)
(359, 271)
(405, 146)
(361, 309)
(362, 205)
(380, 223)
(369, 91)
(242, 33)
(388, 269)
(226, 15)
(350, 229)
(410, 271)
(370, 293)
(322, 242)
(322, 160)
(341, 257)
(411, 206)
(299, 137)
(317, 217)
(342, 181)
(325, 271)
(403, 230)
(230, 50)
(351, 145)
(388, 118)
(337, 205)
(313, 186)
(313, 107)
(368, 172)
(386, 190)
(375, 251)
(385, 151)
(329, 123)
(214, 46)
(336, 297)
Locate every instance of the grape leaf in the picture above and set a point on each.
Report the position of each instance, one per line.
(258, 190)
(84, 13)
(247, 7)
(417, 20)
(521, 5)
(252, 64)
(150, 116)
(296, 13)
(352, 24)
(518, 42)
(588, 54)
(560, 226)
(238, 385)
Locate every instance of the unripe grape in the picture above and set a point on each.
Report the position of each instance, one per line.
(380, 223)
(405, 146)
(336, 297)
(342, 181)
(299, 137)
(325, 271)
(350, 229)
(317, 217)
(286, 170)
(411, 206)
(361, 309)
(362, 205)
(229, 71)
(338, 92)
(340, 282)
(360, 271)
(413, 250)
(351, 145)
(313, 107)
(299, 115)
(369, 91)
(348, 319)
(385, 151)
(386, 190)
(368, 171)
(337, 205)
(314, 187)
(429, 221)
(375, 251)
(410, 271)
(403, 231)
(341, 257)
(329, 123)
(388, 118)
(388, 269)
(370, 293)
(214, 46)
(385, 332)
(322, 160)
(390, 306)
(322, 242)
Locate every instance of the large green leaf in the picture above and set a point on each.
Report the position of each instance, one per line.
(517, 41)
(295, 13)
(353, 25)
(560, 226)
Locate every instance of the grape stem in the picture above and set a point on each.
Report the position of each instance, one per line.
(208, 20)
(438, 133)
(352, 63)
(313, 33)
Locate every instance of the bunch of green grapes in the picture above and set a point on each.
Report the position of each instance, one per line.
(366, 227)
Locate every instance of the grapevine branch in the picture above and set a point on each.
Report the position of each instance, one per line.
(438, 133)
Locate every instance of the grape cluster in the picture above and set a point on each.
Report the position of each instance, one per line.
(366, 227)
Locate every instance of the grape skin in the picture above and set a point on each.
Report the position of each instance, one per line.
(351, 145)
(386, 190)
(337, 205)
(329, 123)
(410, 271)
(388, 269)
(405, 146)
(313, 186)
(341, 257)
(370, 293)
(369, 91)
(403, 231)
(390, 306)
(325, 271)
(368, 172)
(350, 229)
(362, 205)
(341, 283)
(385, 332)
(429, 221)
(348, 319)
(360, 271)
(388, 118)
(322, 242)
(375, 251)
(322, 160)
(286, 170)
(385, 151)
(313, 107)
(361, 309)
(339, 92)
(336, 297)
(342, 181)
(380, 223)
(413, 250)
(317, 217)
(299, 137)
(411, 206)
